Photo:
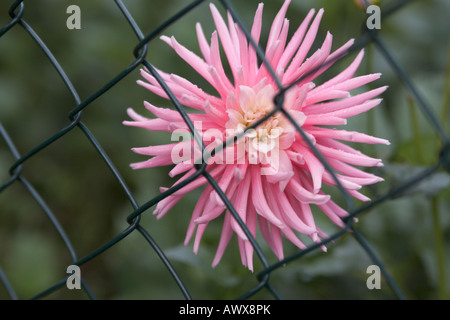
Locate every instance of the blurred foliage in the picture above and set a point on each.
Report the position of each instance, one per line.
(90, 205)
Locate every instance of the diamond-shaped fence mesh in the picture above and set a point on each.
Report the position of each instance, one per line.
(68, 196)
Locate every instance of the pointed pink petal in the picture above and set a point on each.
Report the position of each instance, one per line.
(280, 172)
(295, 41)
(198, 236)
(332, 214)
(243, 47)
(251, 222)
(259, 200)
(255, 33)
(223, 183)
(316, 96)
(358, 195)
(344, 75)
(322, 108)
(351, 158)
(192, 59)
(289, 215)
(165, 205)
(272, 235)
(225, 38)
(209, 214)
(355, 110)
(346, 184)
(216, 62)
(344, 135)
(334, 57)
(357, 82)
(181, 168)
(159, 149)
(305, 46)
(310, 68)
(314, 165)
(199, 181)
(203, 43)
(240, 204)
(157, 125)
(277, 24)
(197, 212)
(164, 113)
(234, 37)
(218, 115)
(225, 238)
(160, 160)
(135, 116)
(303, 195)
(291, 236)
(348, 169)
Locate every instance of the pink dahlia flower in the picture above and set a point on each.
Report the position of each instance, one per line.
(270, 175)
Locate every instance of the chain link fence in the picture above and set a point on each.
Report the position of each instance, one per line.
(38, 179)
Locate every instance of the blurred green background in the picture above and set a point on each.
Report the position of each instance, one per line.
(90, 205)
